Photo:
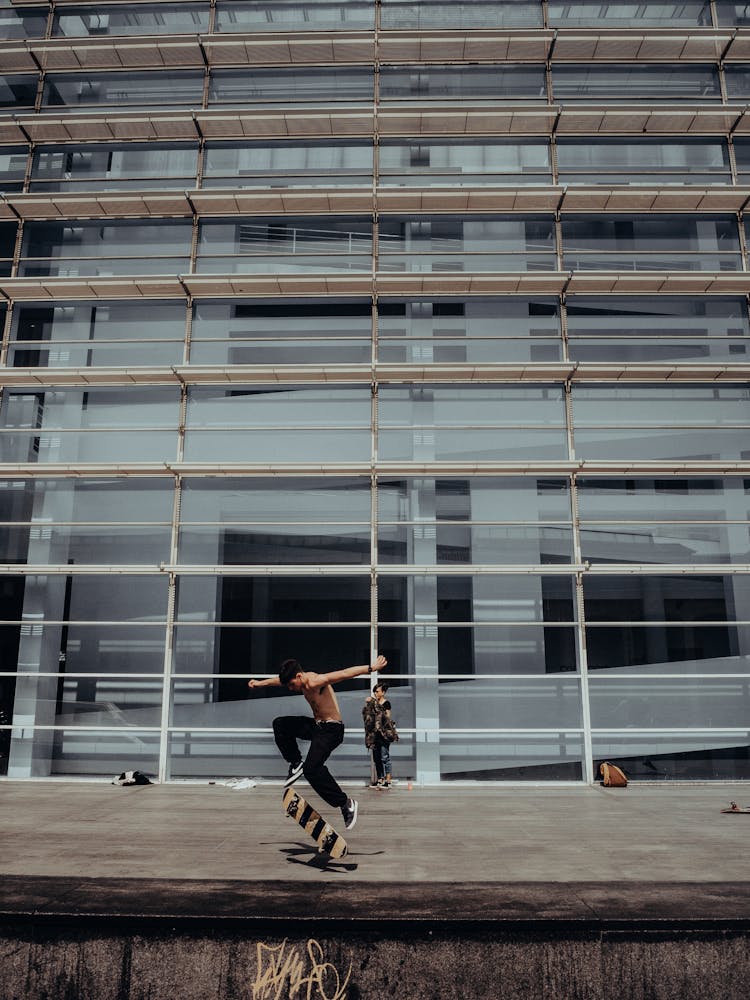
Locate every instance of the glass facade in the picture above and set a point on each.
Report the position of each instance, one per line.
(338, 327)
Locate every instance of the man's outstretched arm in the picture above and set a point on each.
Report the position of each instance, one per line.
(265, 683)
(334, 676)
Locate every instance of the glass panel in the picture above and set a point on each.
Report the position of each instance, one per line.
(686, 521)
(109, 702)
(662, 242)
(397, 15)
(674, 649)
(18, 92)
(78, 91)
(476, 233)
(625, 82)
(196, 754)
(294, 331)
(645, 161)
(732, 13)
(645, 422)
(669, 703)
(67, 249)
(468, 330)
(292, 15)
(290, 599)
(82, 335)
(677, 756)
(136, 19)
(233, 653)
(288, 164)
(278, 245)
(428, 423)
(13, 165)
(468, 518)
(454, 243)
(75, 752)
(111, 167)
(105, 425)
(467, 161)
(504, 703)
(8, 231)
(350, 85)
(496, 83)
(256, 522)
(277, 424)
(667, 598)
(659, 329)
(737, 80)
(511, 756)
(742, 153)
(22, 22)
(590, 13)
(477, 626)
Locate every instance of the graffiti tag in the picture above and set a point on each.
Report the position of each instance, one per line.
(304, 975)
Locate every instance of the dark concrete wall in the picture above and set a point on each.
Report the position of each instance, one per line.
(108, 959)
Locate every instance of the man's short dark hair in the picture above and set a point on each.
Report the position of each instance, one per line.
(289, 670)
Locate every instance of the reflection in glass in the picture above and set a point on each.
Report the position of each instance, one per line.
(328, 85)
(82, 752)
(661, 422)
(516, 756)
(114, 166)
(643, 161)
(475, 521)
(279, 423)
(136, 89)
(480, 422)
(135, 19)
(83, 335)
(592, 13)
(288, 164)
(474, 329)
(660, 329)
(687, 756)
(292, 331)
(428, 14)
(12, 166)
(464, 161)
(455, 83)
(628, 82)
(277, 521)
(293, 15)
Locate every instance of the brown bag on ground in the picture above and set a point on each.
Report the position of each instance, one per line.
(612, 775)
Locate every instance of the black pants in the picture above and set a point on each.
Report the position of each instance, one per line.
(324, 737)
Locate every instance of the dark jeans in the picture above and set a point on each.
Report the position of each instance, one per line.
(381, 754)
(324, 737)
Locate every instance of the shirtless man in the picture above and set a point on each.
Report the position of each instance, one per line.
(325, 730)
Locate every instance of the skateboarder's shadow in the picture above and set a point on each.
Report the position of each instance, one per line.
(302, 854)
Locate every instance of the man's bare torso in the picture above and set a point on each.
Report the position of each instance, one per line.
(322, 700)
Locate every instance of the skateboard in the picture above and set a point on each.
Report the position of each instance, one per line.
(329, 842)
(735, 809)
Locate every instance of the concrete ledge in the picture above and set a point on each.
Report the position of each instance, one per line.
(265, 904)
(126, 939)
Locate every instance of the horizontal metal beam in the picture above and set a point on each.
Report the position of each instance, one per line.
(389, 569)
(409, 121)
(417, 284)
(325, 374)
(514, 199)
(391, 469)
(454, 46)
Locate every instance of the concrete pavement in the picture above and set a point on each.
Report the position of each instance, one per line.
(195, 892)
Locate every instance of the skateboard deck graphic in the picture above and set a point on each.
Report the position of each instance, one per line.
(736, 809)
(328, 841)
